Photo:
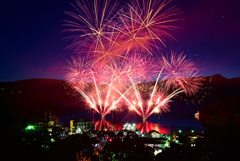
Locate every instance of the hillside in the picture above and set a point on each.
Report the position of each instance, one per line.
(37, 96)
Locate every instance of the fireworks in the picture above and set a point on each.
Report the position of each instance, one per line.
(103, 31)
(180, 72)
(117, 48)
(145, 24)
(153, 101)
(89, 26)
(97, 84)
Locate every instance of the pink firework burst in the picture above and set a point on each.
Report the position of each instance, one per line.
(77, 72)
(103, 33)
(148, 99)
(89, 25)
(180, 72)
(145, 23)
(148, 69)
(118, 47)
(140, 68)
(102, 94)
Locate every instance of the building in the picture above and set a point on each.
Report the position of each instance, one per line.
(79, 126)
(154, 134)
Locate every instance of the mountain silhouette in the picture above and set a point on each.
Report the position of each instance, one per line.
(37, 96)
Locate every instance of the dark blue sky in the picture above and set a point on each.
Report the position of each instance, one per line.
(32, 46)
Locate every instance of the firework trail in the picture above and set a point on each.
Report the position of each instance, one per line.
(180, 72)
(146, 25)
(102, 85)
(105, 30)
(105, 85)
(89, 26)
(154, 101)
(115, 47)
(177, 75)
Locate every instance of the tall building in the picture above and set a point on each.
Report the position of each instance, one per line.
(71, 126)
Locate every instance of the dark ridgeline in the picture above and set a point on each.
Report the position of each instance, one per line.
(34, 97)
(37, 96)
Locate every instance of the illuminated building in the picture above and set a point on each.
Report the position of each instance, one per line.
(71, 126)
(154, 134)
(80, 126)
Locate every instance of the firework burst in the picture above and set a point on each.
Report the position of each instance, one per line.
(116, 55)
(145, 24)
(180, 72)
(102, 30)
(99, 84)
(77, 72)
(146, 102)
(90, 26)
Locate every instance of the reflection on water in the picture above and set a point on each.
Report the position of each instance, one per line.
(149, 126)
(107, 125)
(143, 127)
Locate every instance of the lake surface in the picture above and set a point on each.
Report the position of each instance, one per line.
(181, 116)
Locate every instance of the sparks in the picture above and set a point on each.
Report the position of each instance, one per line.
(116, 65)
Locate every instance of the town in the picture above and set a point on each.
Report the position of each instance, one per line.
(99, 140)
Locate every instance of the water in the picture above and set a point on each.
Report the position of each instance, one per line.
(181, 117)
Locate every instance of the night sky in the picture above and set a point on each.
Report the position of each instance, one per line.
(32, 46)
